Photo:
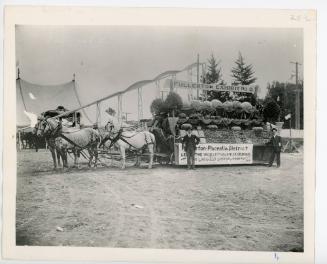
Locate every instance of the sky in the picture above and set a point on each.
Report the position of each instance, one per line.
(107, 59)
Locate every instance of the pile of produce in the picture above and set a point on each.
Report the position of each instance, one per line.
(236, 137)
(221, 115)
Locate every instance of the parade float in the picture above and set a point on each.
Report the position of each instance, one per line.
(230, 131)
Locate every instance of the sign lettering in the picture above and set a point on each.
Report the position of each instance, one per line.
(209, 154)
(217, 87)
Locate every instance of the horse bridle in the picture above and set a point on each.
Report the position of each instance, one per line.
(52, 131)
(113, 140)
(109, 125)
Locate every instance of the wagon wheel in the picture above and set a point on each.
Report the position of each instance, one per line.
(160, 160)
(166, 159)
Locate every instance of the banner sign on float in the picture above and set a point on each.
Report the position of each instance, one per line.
(214, 86)
(211, 154)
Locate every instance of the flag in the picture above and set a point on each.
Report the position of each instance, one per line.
(31, 96)
(288, 116)
(110, 111)
(270, 126)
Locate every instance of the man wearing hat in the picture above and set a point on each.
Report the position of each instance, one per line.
(276, 143)
(189, 145)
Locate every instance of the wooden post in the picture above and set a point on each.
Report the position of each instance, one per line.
(140, 103)
(157, 83)
(172, 84)
(98, 114)
(120, 107)
(291, 131)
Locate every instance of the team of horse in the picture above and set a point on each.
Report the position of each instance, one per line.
(62, 140)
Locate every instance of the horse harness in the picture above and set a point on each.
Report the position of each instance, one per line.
(113, 140)
(56, 133)
(122, 138)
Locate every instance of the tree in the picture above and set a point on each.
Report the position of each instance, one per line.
(284, 94)
(156, 106)
(173, 102)
(213, 74)
(242, 73)
(111, 111)
(271, 111)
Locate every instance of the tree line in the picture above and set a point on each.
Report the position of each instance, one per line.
(278, 102)
(242, 73)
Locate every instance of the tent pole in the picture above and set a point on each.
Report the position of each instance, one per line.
(19, 141)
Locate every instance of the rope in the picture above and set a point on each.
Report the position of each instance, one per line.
(80, 103)
(21, 94)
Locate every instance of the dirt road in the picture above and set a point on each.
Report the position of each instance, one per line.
(222, 208)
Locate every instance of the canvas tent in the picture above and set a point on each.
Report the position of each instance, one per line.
(36, 99)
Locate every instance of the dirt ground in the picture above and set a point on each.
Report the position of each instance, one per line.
(222, 208)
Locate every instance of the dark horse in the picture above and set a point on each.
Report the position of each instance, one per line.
(28, 140)
(165, 146)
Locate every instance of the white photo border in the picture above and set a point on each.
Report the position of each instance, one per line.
(263, 18)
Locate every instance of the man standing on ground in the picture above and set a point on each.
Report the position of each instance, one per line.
(276, 143)
(189, 145)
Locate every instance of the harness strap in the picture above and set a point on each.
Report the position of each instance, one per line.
(118, 137)
(113, 140)
(57, 132)
(104, 140)
(121, 138)
(131, 135)
(73, 143)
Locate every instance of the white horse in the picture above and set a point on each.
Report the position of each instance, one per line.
(132, 140)
(69, 138)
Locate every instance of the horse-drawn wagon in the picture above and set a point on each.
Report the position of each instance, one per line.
(223, 140)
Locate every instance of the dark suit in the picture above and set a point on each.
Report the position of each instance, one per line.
(189, 145)
(276, 143)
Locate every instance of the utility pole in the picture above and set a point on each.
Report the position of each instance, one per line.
(197, 76)
(297, 96)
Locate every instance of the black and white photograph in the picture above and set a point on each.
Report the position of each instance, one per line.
(160, 137)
